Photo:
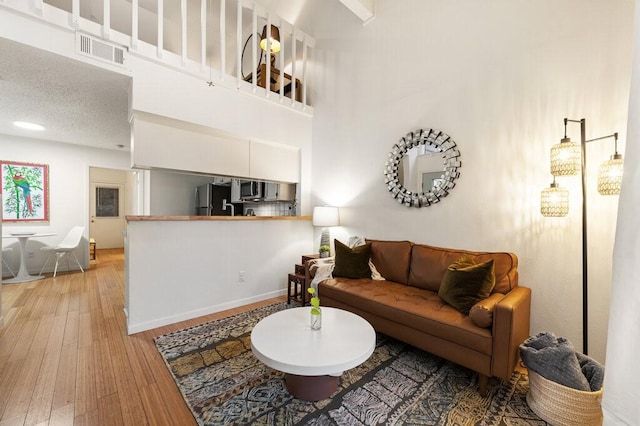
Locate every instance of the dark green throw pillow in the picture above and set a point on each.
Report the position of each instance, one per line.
(352, 262)
(465, 283)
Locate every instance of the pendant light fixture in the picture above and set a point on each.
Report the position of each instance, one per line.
(554, 201)
(565, 156)
(610, 173)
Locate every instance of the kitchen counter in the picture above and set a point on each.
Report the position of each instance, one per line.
(209, 218)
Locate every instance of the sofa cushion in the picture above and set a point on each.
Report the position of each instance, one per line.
(465, 283)
(356, 241)
(391, 259)
(428, 265)
(482, 312)
(352, 262)
(410, 306)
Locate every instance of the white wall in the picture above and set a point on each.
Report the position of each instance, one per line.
(498, 76)
(169, 93)
(178, 270)
(68, 192)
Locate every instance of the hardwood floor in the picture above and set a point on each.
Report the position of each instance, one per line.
(66, 359)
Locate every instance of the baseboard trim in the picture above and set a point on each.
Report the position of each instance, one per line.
(133, 328)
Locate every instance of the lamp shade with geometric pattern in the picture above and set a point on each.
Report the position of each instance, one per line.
(610, 176)
(554, 201)
(566, 158)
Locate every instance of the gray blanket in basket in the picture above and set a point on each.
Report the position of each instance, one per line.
(555, 359)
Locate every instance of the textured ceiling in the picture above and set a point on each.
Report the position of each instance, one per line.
(77, 103)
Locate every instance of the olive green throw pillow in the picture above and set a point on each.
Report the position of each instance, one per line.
(352, 262)
(465, 283)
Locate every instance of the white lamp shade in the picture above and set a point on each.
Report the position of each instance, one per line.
(610, 176)
(326, 216)
(566, 158)
(554, 201)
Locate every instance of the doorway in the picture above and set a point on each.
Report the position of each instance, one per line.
(109, 203)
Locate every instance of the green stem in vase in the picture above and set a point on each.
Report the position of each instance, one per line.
(315, 301)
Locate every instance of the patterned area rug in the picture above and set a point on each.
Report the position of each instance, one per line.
(223, 383)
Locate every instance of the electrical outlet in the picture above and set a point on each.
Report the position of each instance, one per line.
(241, 276)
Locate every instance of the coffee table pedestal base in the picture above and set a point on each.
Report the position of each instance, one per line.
(311, 388)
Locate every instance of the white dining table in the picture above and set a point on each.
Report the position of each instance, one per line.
(23, 274)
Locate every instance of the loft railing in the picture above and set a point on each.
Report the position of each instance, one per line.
(216, 40)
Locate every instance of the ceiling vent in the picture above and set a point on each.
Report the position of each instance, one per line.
(99, 49)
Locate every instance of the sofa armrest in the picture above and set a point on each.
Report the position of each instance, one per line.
(511, 321)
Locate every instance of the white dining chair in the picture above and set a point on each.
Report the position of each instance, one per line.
(66, 247)
(6, 265)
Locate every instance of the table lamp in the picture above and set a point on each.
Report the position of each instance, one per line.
(326, 217)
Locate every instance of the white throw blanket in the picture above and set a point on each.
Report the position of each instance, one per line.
(324, 268)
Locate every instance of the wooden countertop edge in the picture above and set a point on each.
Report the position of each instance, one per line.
(208, 218)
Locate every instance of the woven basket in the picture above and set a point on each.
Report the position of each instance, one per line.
(563, 406)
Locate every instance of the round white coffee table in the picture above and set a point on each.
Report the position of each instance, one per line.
(312, 359)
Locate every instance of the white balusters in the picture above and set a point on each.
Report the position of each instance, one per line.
(160, 28)
(239, 45)
(223, 35)
(203, 34)
(304, 70)
(254, 44)
(134, 24)
(183, 21)
(106, 19)
(75, 13)
(146, 42)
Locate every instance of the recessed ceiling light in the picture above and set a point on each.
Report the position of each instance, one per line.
(28, 126)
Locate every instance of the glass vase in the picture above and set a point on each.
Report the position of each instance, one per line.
(316, 318)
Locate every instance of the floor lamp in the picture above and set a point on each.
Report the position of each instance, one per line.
(570, 158)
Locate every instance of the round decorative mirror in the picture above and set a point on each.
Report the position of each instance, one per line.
(422, 168)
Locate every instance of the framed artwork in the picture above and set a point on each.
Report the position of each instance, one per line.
(25, 188)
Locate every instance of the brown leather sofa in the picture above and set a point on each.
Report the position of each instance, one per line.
(405, 305)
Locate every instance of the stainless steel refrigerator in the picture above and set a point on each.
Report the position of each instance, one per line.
(209, 199)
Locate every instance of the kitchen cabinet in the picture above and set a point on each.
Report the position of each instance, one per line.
(275, 191)
(193, 148)
(235, 191)
(274, 162)
(202, 150)
(271, 191)
(219, 180)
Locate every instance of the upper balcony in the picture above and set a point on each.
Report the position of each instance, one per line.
(223, 42)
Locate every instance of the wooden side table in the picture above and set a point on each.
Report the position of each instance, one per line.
(92, 249)
(297, 282)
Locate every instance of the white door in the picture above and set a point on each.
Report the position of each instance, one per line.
(107, 222)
